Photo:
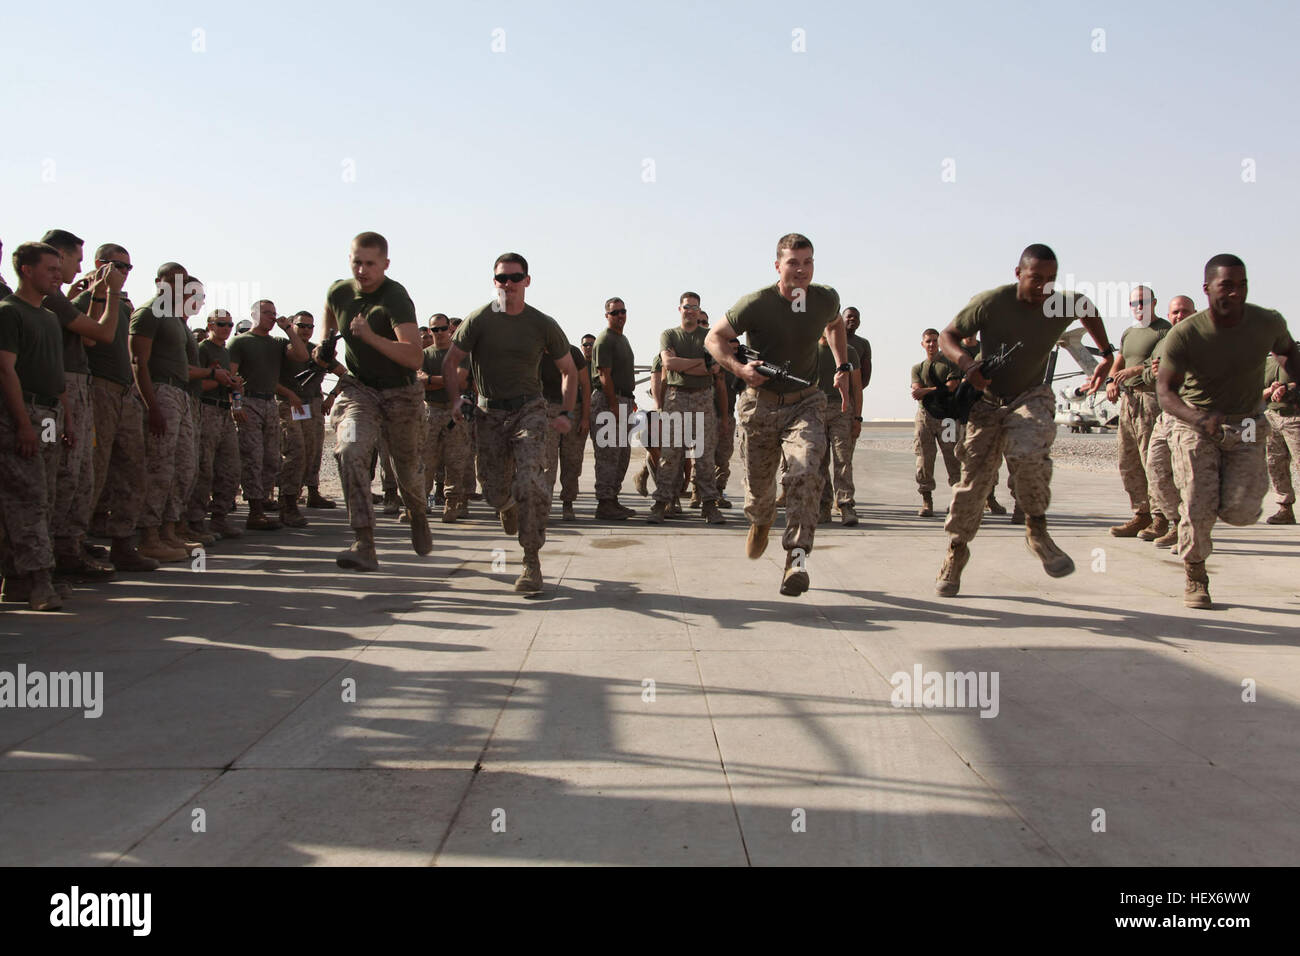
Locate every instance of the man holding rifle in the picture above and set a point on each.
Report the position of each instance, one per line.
(776, 416)
(1016, 412)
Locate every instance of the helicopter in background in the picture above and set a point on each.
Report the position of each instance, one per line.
(1080, 411)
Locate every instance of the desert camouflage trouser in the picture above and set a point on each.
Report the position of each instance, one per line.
(74, 487)
(187, 461)
(563, 457)
(1137, 417)
(927, 432)
(1218, 478)
(120, 455)
(161, 454)
(447, 451)
(362, 416)
(27, 491)
(259, 448)
(687, 413)
(218, 472)
(1165, 499)
(1283, 450)
(722, 454)
(293, 451)
(1023, 430)
(313, 436)
(838, 481)
(612, 458)
(769, 434)
(511, 450)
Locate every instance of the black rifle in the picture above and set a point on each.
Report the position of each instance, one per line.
(780, 373)
(944, 404)
(328, 350)
(467, 411)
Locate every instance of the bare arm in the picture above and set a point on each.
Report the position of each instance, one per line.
(406, 351)
(718, 342)
(12, 391)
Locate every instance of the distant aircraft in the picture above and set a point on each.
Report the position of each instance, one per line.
(1081, 412)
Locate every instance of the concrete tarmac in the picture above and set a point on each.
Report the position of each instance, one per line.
(661, 703)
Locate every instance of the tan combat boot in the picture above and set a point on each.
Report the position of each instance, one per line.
(361, 556)
(1285, 515)
(152, 546)
(530, 581)
(290, 516)
(658, 511)
(43, 596)
(756, 543)
(848, 516)
(795, 580)
(927, 506)
(566, 511)
(949, 581)
(125, 557)
(608, 510)
(1055, 561)
(641, 481)
(1130, 528)
(1169, 540)
(194, 531)
(316, 500)
(421, 536)
(225, 528)
(824, 513)
(450, 509)
(993, 505)
(1196, 591)
(1159, 528)
(709, 511)
(171, 536)
(510, 518)
(259, 520)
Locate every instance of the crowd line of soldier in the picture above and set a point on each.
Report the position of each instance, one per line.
(121, 423)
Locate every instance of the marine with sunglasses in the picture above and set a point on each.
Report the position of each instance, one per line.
(505, 341)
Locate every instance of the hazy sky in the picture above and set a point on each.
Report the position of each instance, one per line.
(643, 149)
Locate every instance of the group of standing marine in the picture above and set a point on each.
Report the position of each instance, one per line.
(1198, 385)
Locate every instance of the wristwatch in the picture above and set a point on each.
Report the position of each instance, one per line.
(1108, 349)
(846, 367)
(1111, 380)
(857, 418)
(570, 416)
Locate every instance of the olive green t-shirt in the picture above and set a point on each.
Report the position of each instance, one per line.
(385, 309)
(74, 352)
(195, 386)
(1001, 319)
(826, 370)
(934, 373)
(772, 327)
(432, 365)
(505, 350)
(972, 350)
(210, 352)
(614, 352)
(5, 291)
(259, 358)
(862, 347)
(1274, 373)
(168, 361)
(1224, 368)
(34, 336)
(686, 345)
(553, 381)
(110, 360)
(1137, 345)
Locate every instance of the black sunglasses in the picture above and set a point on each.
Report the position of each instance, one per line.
(617, 312)
(440, 328)
(304, 325)
(224, 325)
(504, 277)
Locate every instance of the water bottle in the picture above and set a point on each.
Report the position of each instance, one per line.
(236, 401)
